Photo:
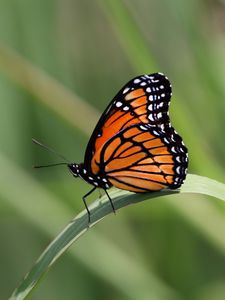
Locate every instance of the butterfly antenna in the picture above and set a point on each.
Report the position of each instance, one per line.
(50, 150)
(50, 165)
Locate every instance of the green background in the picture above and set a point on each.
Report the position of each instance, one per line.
(61, 62)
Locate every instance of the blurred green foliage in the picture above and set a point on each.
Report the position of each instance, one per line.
(53, 51)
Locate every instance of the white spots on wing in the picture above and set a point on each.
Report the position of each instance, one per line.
(173, 138)
(84, 171)
(150, 107)
(103, 179)
(159, 115)
(126, 108)
(178, 169)
(143, 83)
(173, 149)
(91, 178)
(151, 98)
(161, 87)
(151, 118)
(137, 80)
(143, 127)
(178, 159)
(95, 183)
(162, 126)
(118, 104)
(156, 133)
(148, 90)
(107, 186)
(166, 141)
(163, 95)
(126, 90)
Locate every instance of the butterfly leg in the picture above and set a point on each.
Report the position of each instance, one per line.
(86, 206)
(110, 200)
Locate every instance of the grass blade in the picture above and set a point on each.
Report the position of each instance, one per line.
(99, 209)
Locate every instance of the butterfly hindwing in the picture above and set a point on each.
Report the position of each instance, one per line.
(142, 158)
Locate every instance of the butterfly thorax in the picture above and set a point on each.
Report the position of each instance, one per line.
(78, 170)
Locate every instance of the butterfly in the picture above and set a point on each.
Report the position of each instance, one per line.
(133, 146)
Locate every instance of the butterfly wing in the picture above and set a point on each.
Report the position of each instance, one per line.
(144, 99)
(144, 158)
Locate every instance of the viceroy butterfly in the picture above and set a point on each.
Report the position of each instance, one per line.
(133, 146)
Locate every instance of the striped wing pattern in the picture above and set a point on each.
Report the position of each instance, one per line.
(134, 145)
(142, 158)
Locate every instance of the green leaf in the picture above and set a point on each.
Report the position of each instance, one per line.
(99, 209)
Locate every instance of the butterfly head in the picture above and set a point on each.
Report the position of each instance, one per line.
(74, 169)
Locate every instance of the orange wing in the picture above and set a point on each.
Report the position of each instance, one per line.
(144, 99)
(143, 158)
